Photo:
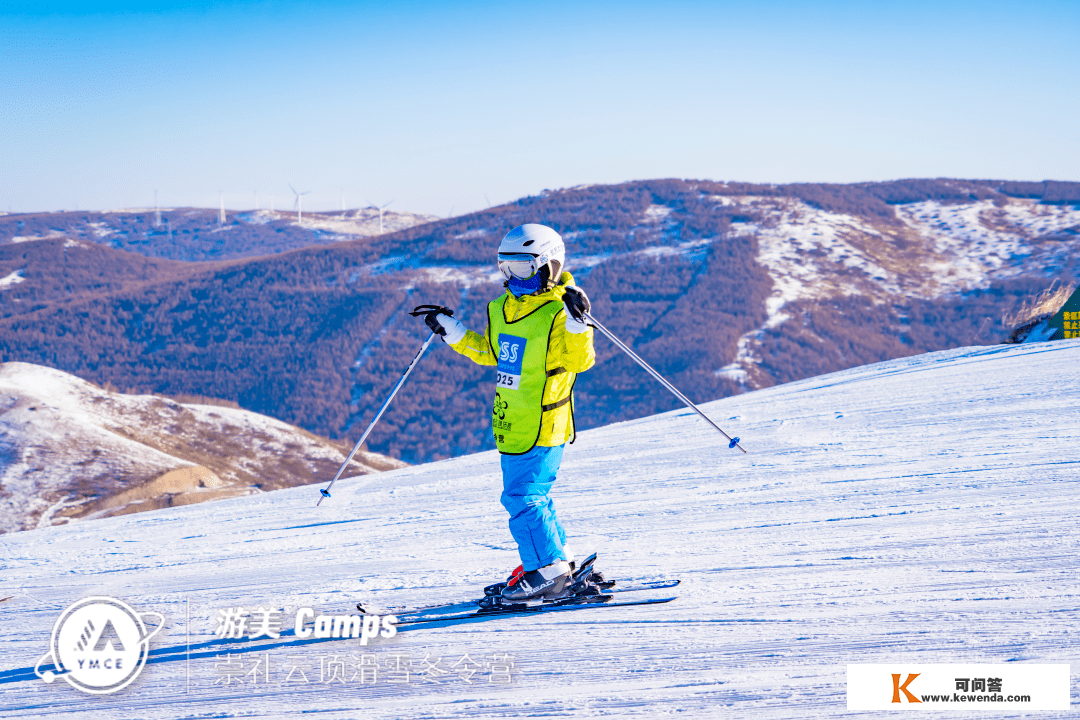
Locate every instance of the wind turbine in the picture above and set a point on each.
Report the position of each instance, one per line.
(221, 213)
(299, 204)
(380, 209)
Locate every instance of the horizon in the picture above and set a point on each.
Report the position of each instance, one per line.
(333, 211)
(449, 110)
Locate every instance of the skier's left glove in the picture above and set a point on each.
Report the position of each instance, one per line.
(576, 304)
(442, 323)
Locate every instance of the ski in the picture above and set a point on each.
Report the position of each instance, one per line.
(644, 585)
(588, 587)
(576, 603)
(466, 604)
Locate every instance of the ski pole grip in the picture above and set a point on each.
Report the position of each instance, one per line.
(428, 309)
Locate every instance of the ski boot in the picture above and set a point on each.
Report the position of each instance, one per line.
(497, 588)
(550, 582)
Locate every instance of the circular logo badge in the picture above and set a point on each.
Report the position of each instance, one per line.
(99, 645)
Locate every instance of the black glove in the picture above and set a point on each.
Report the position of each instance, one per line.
(431, 313)
(576, 303)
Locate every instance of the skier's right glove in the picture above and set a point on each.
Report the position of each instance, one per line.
(442, 323)
(576, 303)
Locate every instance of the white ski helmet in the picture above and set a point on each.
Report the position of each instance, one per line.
(532, 248)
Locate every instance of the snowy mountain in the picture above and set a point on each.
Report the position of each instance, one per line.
(920, 510)
(197, 234)
(723, 287)
(821, 260)
(70, 450)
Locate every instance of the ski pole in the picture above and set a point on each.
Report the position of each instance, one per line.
(326, 491)
(622, 346)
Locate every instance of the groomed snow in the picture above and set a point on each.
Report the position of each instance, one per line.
(923, 509)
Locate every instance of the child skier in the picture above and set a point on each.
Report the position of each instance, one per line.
(537, 337)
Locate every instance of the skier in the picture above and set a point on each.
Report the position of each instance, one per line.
(539, 341)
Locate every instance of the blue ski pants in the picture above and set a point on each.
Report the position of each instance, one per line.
(527, 480)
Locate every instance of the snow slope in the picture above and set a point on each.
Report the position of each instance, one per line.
(922, 509)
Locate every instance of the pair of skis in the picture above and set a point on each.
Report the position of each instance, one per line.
(590, 595)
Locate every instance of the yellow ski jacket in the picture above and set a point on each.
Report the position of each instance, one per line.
(572, 351)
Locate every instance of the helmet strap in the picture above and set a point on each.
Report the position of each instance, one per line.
(545, 276)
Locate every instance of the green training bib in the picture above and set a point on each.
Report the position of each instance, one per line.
(521, 347)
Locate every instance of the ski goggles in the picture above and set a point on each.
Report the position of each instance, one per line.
(519, 265)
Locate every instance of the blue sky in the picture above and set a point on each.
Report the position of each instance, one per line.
(444, 107)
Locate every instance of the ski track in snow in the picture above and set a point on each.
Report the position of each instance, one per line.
(923, 509)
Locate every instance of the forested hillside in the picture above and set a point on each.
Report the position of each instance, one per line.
(722, 286)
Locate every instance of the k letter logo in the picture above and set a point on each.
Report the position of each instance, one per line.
(898, 688)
